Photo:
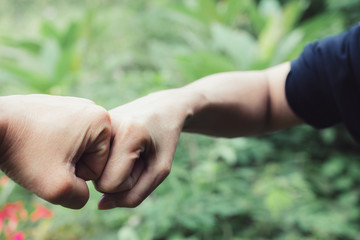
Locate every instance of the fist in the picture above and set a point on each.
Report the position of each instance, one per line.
(52, 145)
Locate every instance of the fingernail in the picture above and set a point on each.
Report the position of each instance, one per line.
(106, 203)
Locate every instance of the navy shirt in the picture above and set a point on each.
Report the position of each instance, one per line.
(323, 85)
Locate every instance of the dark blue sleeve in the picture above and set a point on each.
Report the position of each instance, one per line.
(323, 85)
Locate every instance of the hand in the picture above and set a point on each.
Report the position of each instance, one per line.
(144, 138)
(51, 145)
(145, 132)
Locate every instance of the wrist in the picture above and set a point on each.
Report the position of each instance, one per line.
(194, 102)
(179, 104)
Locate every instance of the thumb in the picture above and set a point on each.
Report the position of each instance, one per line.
(92, 162)
(93, 159)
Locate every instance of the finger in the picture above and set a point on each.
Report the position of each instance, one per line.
(134, 176)
(66, 190)
(148, 181)
(92, 157)
(121, 170)
(92, 163)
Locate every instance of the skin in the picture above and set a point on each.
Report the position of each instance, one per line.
(51, 145)
(145, 132)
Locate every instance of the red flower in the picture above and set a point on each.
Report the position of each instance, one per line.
(4, 180)
(41, 212)
(18, 236)
(11, 212)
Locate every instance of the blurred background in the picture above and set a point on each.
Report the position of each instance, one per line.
(295, 184)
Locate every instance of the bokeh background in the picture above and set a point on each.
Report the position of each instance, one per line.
(295, 184)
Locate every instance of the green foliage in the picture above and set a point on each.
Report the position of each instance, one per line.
(297, 184)
(50, 63)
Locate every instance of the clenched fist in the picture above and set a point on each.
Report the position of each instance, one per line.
(51, 145)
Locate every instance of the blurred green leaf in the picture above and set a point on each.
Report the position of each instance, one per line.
(233, 42)
(29, 46)
(33, 79)
(333, 167)
(200, 64)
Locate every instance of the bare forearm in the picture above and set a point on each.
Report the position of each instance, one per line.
(232, 104)
(239, 103)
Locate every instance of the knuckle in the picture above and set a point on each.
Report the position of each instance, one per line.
(164, 170)
(109, 186)
(136, 126)
(103, 186)
(101, 114)
(97, 112)
(99, 119)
